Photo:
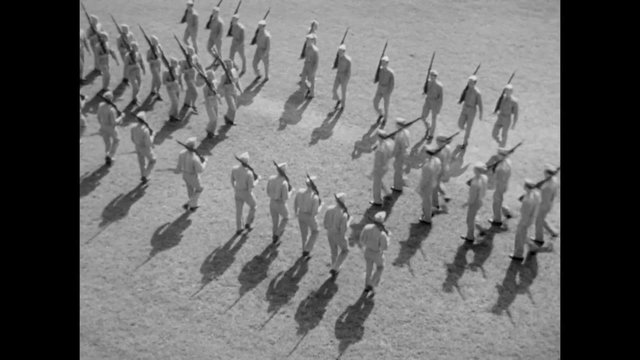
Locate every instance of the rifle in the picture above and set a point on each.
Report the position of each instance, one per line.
(184, 52)
(539, 184)
(493, 166)
(448, 139)
(502, 95)
(146, 124)
(153, 50)
(314, 188)
(464, 92)
(206, 81)
(379, 225)
(111, 103)
(244, 164)
(283, 174)
(342, 206)
(377, 77)
(122, 35)
(192, 150)
(226, 71)
(304, 46)
(166, 63)
(426, 81)
(208, 26)
(446, 142)
(335, 62)
(234, 13)
(184, 17)
(255, 36)
(392, 134)
(95, 30)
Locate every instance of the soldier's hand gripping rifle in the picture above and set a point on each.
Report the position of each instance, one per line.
(234, 13)
(94, 29)
(283, 174)
(227, 72)
(314, 188)
(153, 49)
(377, 77)
(464, 92)
(502, 95)
(255, 36)
(426, 81)
(539, 184)
(184, 52)
(335, 62)
(208, 26)
(244, 164)
(192, 150)
(342, 206)
(402, 127)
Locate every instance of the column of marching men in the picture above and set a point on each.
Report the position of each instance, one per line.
(495, 174)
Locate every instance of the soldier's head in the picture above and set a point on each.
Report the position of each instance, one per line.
(472, 80)
(384, 62)
(342, 49)
(104, 36)
(508, 89)
(381, 134)
(341, 196)
(154, 40)
(430, 151)
(529, 184)
(108, 95)
(215, 11)
(190, 4)
(262, 24)
(244, 157)
(314, 26)
(125, 28)
(433, 74)
(141, 116)
(235, 18)
(549, 169)
(380, 216)
(134, 46)
(400, 122)
(94, 19)
(191, 142)
(479, 168)
(313, 178)
(283, 166)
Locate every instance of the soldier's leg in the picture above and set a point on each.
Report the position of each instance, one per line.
(505, 132)
(343, 85)
(462, 119)
(141, 162)
(334, 91)
(151, 162)
(173, 97)
(539, 224)
(107, 142)
(377, 189)
(254, 63)
(434, 119)
(313, 237)
(197, 192)
(497, 205)
(135, 82)
(218, 44)
(469, 125)
(376, 102)
(434, 196)
(239, 204)
(81, 65)
(471, 220)
(312, 80)
(194, 36)
(243, 58)
(284, 213)
(275, 217)
(185, 37)
(210, 45)
(231, 106)
(344, 251)
(398, 165)
(496, 130)
(114, 145)
(426, 109)
(379, 261)
(265, 62)
(386, 98)
(106, 76)
(427, 201)
(232, 52)
(304, 232)
(521, 234)
(368, 269)
(251, 202)
(190, 191)
(212, 112)
(333, 247)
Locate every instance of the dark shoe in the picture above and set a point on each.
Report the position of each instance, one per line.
(185, 206)
(374, 203)
(108, 160)
(554, 235)
(384, 122)
(210, 135)
(467, 239)
(173, 119)
(447, 199)
(334, 274)
(424, 221)
(306, 256)
(144, 180)
(125, 81)
(242, 73)
(429, 139)
(248, 227)
(134, 102)
(276, 238)
(396, 189)
(508, 216)
(380, 117)
(538, 242)
(238, 232)
(495, 223)
(463, 146)
(228, 121)
(195, 111)
(516, 258)
(193, 209)
(158, 97)
(337, 105)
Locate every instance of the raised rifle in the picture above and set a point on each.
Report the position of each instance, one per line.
(244, 164)
(377, 77)
(184, 17)
(208, 26)
(539, 184)
(314, 187)
(255, 36)
(335, 62)
(464, 92)
(166, 63)
(392, 134)
(493, 166)
(153, 49)
(502, 95)
(342, 205)
(304, 46)
(184, 52)
(379, 225)
(227, 72)
(192, 150)
(94, 29)
(234, 13)
(122, 35)
(426, 81)
(283, 174)
(446, 142)
(206, 81)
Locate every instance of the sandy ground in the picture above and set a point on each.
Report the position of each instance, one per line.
(156, 283)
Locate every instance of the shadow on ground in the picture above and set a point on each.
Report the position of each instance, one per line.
(168, 235)
(367, 218)
(510, 288)
(294, 107)
(325, 130)
(169, 127)
(284, 286)
(418, 232)
(349, 328)
(250, 92)
(90, 182)
(207, 144)
(365, 144)
(456, 269)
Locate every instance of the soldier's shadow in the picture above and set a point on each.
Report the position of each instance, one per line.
(312, 309)
(91, 105)
(284, 286)
(119, 207)
(220, 260)
(418, 232)
(118, 91)
(456, 269)
(90, 78)
(169, 127)
(510, 287)
(168, 235)
(292, 113)
(325, 130)
(456, 167)
(255, 271)
(207, 144)
(148, 103)
(349, 328)
(365, 144)
(250, 92)
(482, 250)
(90, 182)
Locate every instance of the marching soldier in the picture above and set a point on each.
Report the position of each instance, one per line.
(143, 141)
(191, 167)
(530, 204)
(191, 31)
(93, 40)
(336, 222)
(189, 78)
(508, 109)
(500, 177)
(103, 60)
(443, 177)
(386, 84)
(108, 119)
(428, 188)
(383, 153)
(278, 191)
(237, 42)
(343, 74)
(433, 104)
(263, 47)
(126, 38)
(227, 88)
(549, 191)
(400, 152)
(215, 35)
(155, 66)
(134, 63)
(311, 59)
(472, 99)
(312, 30)
(375, 242)
(477, 190)
(211, 100)
(306, 206)
(173, 87)
(243, 182)
(84, 44)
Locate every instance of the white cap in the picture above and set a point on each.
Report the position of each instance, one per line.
(508, 87)
(154, 40)
(381, 132)
(473, 78)
(313, 178)
(108, 95)
(342, 47)
(283, 166)
(125, 27)
(434, 72)
(311, 36)
(441, 138)
(173, 61)
(191, 142)
(190, 50)
(235, 16)
(142, 115)
(210, 75)
(244, 156)
(189, 2)
(385, 58)
(342, 196)
(134, 45)
(503, 151)
(262, 23)
(479, 166)
(401, 121)
(549, 168)
(528, 183)
(216, 9)
(105, 35)
(380, 216)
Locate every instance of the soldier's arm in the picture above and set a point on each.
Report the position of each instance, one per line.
(296, 204)
(316, 60)
(315, 207)
(85, 43)
(440, 97)
(285, 192)
(479, 102)
(233, 183)
(113, 55)
(348, 70)
(133, 138)
(240, 35)
(195, 19)
(267, 41)
(384, 241)
(392, 81)
(515, 114)
(144, 70)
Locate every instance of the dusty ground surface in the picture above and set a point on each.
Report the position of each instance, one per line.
(156, 283)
